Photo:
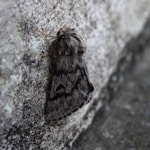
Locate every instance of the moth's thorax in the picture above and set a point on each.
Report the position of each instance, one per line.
(68, 42)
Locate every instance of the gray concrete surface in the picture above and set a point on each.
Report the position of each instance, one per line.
(106, 27)
(124, 122)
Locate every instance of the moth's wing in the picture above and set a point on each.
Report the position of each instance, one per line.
(70, 88)
(85, 74)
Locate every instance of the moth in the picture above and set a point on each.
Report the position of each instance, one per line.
(69, 85)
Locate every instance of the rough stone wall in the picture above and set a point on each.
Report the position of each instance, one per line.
(106, 27)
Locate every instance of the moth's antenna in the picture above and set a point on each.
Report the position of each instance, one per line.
(44, 34)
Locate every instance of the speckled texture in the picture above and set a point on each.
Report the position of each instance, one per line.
(105, 25)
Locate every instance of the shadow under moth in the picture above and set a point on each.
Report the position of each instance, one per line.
(69, 85)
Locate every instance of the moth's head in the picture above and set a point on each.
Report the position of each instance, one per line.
(65, 32)
(69, 39)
